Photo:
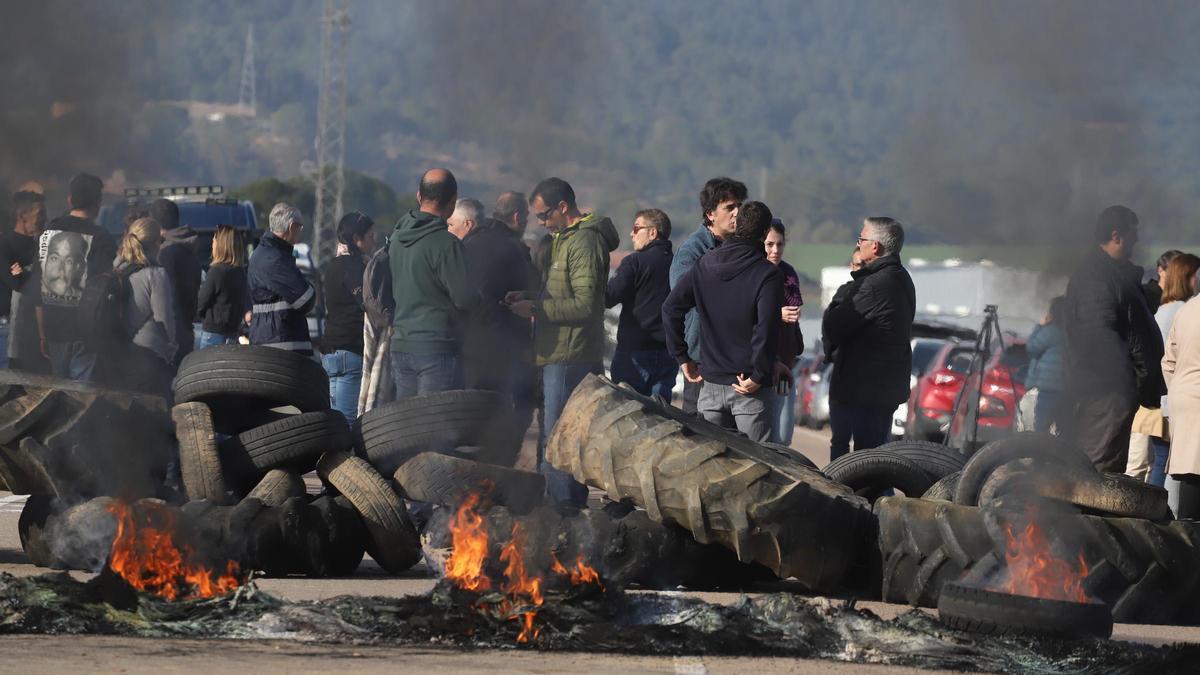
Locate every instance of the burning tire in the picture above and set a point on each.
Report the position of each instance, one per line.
(199, 461)
(1144, 571)
(943, 490)
(293, 443)
(935, 459)
(992, 613)
(31, 528)
(871, 472)
(393, 541)
(233, 379)
(1018, 446)
(395, 432)
(277, 487)
(441, 479)
(722, 487)
(1108, 494)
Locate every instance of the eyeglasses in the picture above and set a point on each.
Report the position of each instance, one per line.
(544, 215)
(637, 229)
(862, 239)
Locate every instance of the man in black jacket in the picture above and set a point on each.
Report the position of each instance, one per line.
(179, 258)
(868, 328)
(640, 286)
(1114, 349)
(737, 294)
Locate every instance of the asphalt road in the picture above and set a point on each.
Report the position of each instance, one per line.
(51, 654)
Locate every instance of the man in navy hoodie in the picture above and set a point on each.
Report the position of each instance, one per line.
(737, 294)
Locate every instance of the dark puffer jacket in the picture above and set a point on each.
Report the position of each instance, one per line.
(1113, 342)
(869, 331)
(281, 297)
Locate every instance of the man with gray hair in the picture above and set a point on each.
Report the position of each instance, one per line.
(868, 329)
(468, 215)
(280, 295)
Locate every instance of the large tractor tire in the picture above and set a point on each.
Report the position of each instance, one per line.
(237, 379)
(1144, 571)
(76, 440)
(720, 486)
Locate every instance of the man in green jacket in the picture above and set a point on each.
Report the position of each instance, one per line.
(569, 315)
(432, 292)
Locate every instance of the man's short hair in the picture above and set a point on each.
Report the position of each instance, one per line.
(86, 192)
(282, 216)
(441, 192)
(657, 219)
(1166, 258)
(753, 221)
(508, 205)
(166, 212)
(1119, 219)
(718, 190)
(469, 209)
(24, 200)
(553, 191)
(888, 232)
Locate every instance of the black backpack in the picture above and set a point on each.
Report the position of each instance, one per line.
(104, 307)
(377, 289)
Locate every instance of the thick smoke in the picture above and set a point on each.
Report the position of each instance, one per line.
(1065, 89)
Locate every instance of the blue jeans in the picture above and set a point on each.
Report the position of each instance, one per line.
(650, 373)
(419, 374)
(1045, 413)
(207, 339)
(72, 360)
(345, 379)
(783, 416)
(558, 381)
(867, 427)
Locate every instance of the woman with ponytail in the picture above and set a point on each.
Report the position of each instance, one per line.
(149, 310)
(342, 344)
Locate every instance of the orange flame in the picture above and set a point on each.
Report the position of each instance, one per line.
(469, 533)
(580, 574)
(148, 558)
(519, 583)
(1034, 570)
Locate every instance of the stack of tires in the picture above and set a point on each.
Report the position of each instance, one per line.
(906, 466)
(949, 547)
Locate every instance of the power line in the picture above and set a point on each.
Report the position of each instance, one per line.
(330, 181)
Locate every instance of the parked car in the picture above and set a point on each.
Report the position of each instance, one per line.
(931, 401)
(815, 395)
(924, 349)
(997, 401)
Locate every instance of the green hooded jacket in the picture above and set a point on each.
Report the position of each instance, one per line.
(570, 315)
(430, 285)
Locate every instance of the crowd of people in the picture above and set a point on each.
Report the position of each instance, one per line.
(452, 298)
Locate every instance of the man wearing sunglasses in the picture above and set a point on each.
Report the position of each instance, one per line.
(569, 314)
(869, 331)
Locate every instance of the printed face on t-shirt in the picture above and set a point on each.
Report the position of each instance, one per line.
(64, 267)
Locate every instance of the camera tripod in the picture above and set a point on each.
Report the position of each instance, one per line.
(988, 332)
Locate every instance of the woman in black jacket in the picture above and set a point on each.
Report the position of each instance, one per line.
(342, 344)
(224, 298)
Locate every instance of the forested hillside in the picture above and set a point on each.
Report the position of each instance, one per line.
(972, 122)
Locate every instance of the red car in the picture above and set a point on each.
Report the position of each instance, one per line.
(931, 401)
(1003, 387)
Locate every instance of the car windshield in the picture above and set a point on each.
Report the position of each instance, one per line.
(959, 360)
(923, 353)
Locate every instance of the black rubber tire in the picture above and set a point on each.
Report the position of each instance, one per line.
(277, 486)
(993, 613)
(82, 534)
(345, 533)
(1119, 495)
(393, 541)
(720, 486)
(792, 453)
(1145, 571)
(1110, 494)
(301, 527)
(943, 489)
(394, 432)
(935, 459)
(870, 472)
(441, 479)
(237, 378)
(1004, 450)
(31, 528)
(199, 461)
(294, 443)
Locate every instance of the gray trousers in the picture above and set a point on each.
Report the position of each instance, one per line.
(720, 404)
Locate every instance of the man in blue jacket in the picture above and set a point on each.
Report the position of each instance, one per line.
(737, 294)
(719, 203)
(640, 286)
(280, 294)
